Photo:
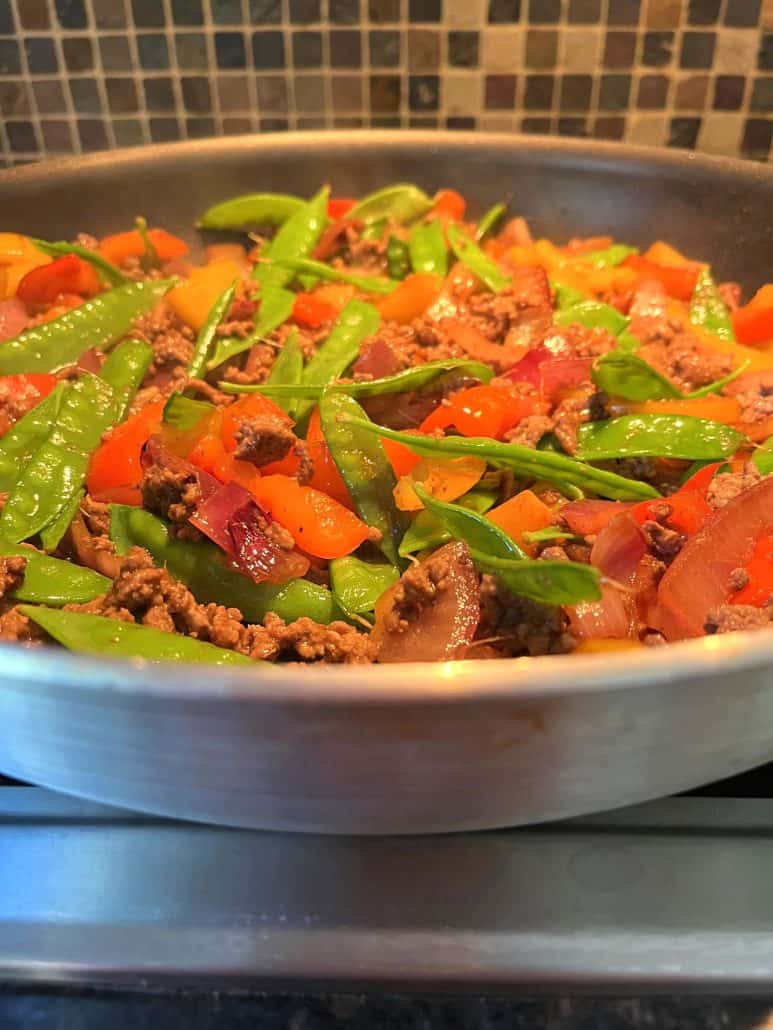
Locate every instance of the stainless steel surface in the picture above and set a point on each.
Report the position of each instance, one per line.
(673, 896)
(410, 748)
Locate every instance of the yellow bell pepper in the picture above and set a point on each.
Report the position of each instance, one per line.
(18, 255)
(444, 478)
(193, 298)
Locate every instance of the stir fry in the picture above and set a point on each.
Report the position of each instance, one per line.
(378, 430)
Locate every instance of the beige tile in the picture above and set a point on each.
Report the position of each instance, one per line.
(691, 93)
(736, 51)
(579, 49)
(663, 14)
(649, 130)
(766, 18)
(497, 122)
(501, 50)
(423, 50)
(465, 14)
(721, 133)
(462, 94)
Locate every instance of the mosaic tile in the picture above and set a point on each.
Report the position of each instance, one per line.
(652, 92)
(584, 12)
(233, 94)
(114, 53)
(499, 92)
(385, 92)
(503, 11)
(187, 12)
(78, 52)
(384, 46)
(345, 48)
(541, 49)
(108, 14)
(423, 50)
(423, 92)
(229, 50)
(71, 14)
(538, 94)
(226, 12)
(728, 92)
(268, 50)
(463, 47)
(33, 14)
(691, 92)
(57, 135)
(122, 96)
(153, 51)
(14, 99)
(307, 49)
(383, 10)
(623, 12)
(129, 132)
(40, 53)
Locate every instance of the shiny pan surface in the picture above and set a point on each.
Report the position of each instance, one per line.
(402, 748)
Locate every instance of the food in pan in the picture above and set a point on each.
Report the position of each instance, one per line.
(378, 430)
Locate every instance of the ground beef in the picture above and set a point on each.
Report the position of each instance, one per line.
(306, 464)
(16, 400)
(173, 494)
(11, 574)
(728, 618)
(264, 439)
(417, 589)
(728, 485)
(663, 542)
(132, 269)
(571, 413)
(578, 341)
(308, 641)
(554, 553)
(366, 255)
(530, 430)
(730, 293)
(84, 239)
(683, 359)
(739, 578)
(517, 315)
(516, 626)
(171, 339)
(15, 627)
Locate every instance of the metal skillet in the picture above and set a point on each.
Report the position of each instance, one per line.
(403, 748)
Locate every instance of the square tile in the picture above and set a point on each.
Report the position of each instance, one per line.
(121, 95)
(236, 126)
(268, 50)
(762, 96)
(85, 96)
(147, 13)
(384, 47)
(233, 92)
(305, 12)
(423, 49)
(33, 15)
(736, 51)
(153, 51)
(344, 12)
(743, 14)
(765, 56)
(425, 10)
(581, 49)
(619, 49)
(7, 26)
(544, 12)
(697, 49)
(757, 138)
(196, 94)
(229, 50)
(683, 132)
(460, 122)
(720, 133)
(624, 12)
(159, 95)
(463, 46)
(109, 14)
(14, 99)
(272, 94)
(71, 14)
(584, 12)
(470, 14)
(78, 53)
(266, 12)
(49, 96)
(164, 130)
(385, 92)
(728, 92)
(652, 92)
(187, 12)
(657, 50)
(502, 50)
(347, 93)
(40, 52)
(21, 136)
(114, 53)
(609, 128)
(423, 92)
(92, 133)
(691, 93)
(191, 50)
(499, 92)
(462, 94)
(345, 48)
(614, 92)
(575, 93)
(536, 126)
(57, 136)
(384, 11)
(663, 14)
(226, 12)
(307, 49)
(504, 11)
(129, 132)
(309, 93)
(541, 48)
(274, 125)
(538, 95)
(199, 128)
(577, 127)
(648, 130)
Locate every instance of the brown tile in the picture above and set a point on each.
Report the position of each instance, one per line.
(33, 14)
(348, 122)
(272, 94)
(108, 14)
(609, 128)
(236, 126)
(309, 93)
(121, 95)
(541, 48)
(652, 93)
(423, 49)
(766, 16)
(49, 96)
(619, 49)
(499, 92)
(57, 136)
(690, 94)
(663, 14)
(347, 93)
(385, 94)
(14, 99)
(233, 93)
(728, 92)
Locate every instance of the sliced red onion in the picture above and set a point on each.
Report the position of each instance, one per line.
(214, 514)
(619, 548)
(377, 359)
(155, 452)
(527, 370)
(13, 318)
(587, 518)
(563, 374)
(609, 619)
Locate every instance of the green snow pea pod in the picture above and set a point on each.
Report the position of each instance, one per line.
(608, 257)
(657, 436)
(546, 582)
(427, 530)
(25, 436)
(149, 259)
(106, 270)
(366, 283)
(204, 569)
(110, 638)
(538, 536)
(250, 211)
(185, 413)
(374, 230)
(707, 308)
(358, 584)
(297, 238)
(53, 581)
(206, 337)
(365, 469)
(717, 385)
(489, 220)
(56, 471)
(124, 370)
(51, 535)
(357, 321)
(475, 530)
(763, 457)
(594, 315)
(566, 296)
(398, 258)
(559, 469)
(276, 305)
(427, 248)
(100, 323)
(625, 375)
(470, 254)
(287, 370)
(402, 202)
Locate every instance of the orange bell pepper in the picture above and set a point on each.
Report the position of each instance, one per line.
(716, 408)
(402, 459)
(320, 525)
(449, 204)
(603, 645)
(444, 478)
(480, 411)
(325, 476)
(411, 298)
(522, 513)
(753, 323)
(338, 207)
(115, 469)
(663, 253)
(193, 298)
(760, 571)
(122, 245)
(67, 274)
(678, 281)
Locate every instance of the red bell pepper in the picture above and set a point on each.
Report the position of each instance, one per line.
(759, 568)
(115, 470)
(678, 281)
(480, 411)
(449, 204)
(753, 323)
(311, 311)
(67, 274)
(24, 392)
(689, 508)
(339, 207)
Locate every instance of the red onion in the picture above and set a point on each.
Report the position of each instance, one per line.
(619, 548)
(377, 359)
(91, 360)
(527, 370)
(13, 318)
(589, 517)
(155, 452)
(328, 241)
(610, 618)
(563, 374)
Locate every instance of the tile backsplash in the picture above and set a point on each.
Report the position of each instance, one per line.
(83, 75)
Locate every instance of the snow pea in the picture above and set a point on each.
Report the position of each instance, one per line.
(21, 441)
(297, 238)
(546, 582)
(53, 581)
(476, 530)
(374, 230)
(100, 323)
(206, 337)
(287, 370)
(358, 584)
(470, 254)
(185, 413)
(104, 268)
(566, 296)
(398, 258)
(608, 257)
(366, 283)
(558, 469)
(124, 370)
(110, 638)
(402, 202)
(149, 259)
(204, 569)
(250, 211)
(707, 308)
(625, 375)
(489, 220)
(427, 248)
(717, 385)
(658, 436)
(538, 536)
(51, 535)
(57, 469)
(594, 315)
(365, 468)
(357, 321)
(276, 305)
(763, 457)
(427, 530)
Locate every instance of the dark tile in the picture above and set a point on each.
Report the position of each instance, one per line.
(236, 126)
(683, 132)
(423, 50)
(49, 96)
(159, 95)
(539, 126)
(233, 92)
(41, 55)
(384, 11)
(652, 93)
(6, 18)
(274, 125)
(14, 99)
(148, 13)
(499, 92)
(108, 14)
(765, 58)
(609, 128)
(272, 94)
(317, 122)
(423, 92)
(229, 50)
(573, 127)
(541, 48)
(191, 50)
(728, 92)
(57, 137)
(121, 95)
(78, 53)
(584, 12)
(757, 138)
(304, 12)
(614, 92)
(657, 50)
(539, 92)
(114, 53)
(307, 49)
(544, 12)
(187, 12)
(268, 50)
(266, 12)
(423, 122)
(345, 48)
(21, 136)
(92, 133)
(619, 49)
(199, 128)
(196, 94)
(501, 12)
(460, 122)
(743, 14)
(71, 14)
(344, 12)
(348, 122)
(425, 10)
(33, 14)
(384, 45)
(153, 51)
(384, 93)
(85, 96)
(226, 12)
(575, 93)
(346, 93)
(390, 121)
(164, 130)
(309, 93)
(128, 132)
(691, 93)
(762, 96)
(463, 49)
(697, 50)
(704, 12)
(624, 12)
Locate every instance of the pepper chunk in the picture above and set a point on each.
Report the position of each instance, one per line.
(753, 323)
(67, 274)
(480, 411)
